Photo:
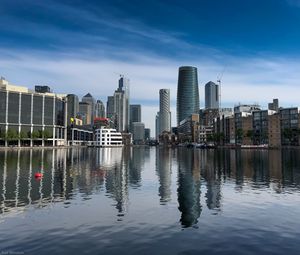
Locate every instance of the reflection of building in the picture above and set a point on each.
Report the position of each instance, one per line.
(163, 169)
(19, 187)
(110, 158)
(188, 187)
(187, 92)
(31, 118)
(136, 165)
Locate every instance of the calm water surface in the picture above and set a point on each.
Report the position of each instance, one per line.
(150, 201)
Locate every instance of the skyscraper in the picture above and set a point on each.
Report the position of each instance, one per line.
(187, 92)
(99, 109)
(88, 98)
(211, 95)
(135, 114)
(110, 108)
(85, 113)
(73, 107)
(164, 111)
(121, 105)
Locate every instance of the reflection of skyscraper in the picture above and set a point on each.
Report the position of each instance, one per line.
(117, 180)
(137, 162)
(187, 92)
(213, 178)
(163, 169)
(188, 187)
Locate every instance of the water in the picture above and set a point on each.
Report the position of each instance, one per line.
(150, 201)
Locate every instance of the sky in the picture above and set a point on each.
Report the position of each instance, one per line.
(79, 46)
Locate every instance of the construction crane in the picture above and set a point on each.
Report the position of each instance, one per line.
(219, 81)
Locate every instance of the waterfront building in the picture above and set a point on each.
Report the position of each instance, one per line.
(188, 129)
(135, 114)
(85, 113)
(164, 111)
(138, 132)
(274, 131)
(121, 105)
(260, 133)
(28, 118)
(243, 128)
(289, 123)
(99, 110)
(212, 96)
(88, 98)
(187, 93)
(108, 137)
(73, 107)
(80, 135)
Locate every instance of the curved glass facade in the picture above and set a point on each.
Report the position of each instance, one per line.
(187, 92)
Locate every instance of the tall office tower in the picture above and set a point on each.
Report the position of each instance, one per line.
(138, 132)
(135, 114)
(187, 92)
(211, 95)
(121, 105)
(164, 111)
(110, 108)
(72, 108)
(99, 109)
(157, 126)
(88, 98)
(85, 113)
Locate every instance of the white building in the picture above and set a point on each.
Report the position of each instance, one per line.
(108, 137)
(164, 111)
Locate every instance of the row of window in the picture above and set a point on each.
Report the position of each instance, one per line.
(28, 109)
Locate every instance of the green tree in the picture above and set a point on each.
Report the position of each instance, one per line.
(35, 135)
(23, 135)
(239, 133)
(11, 135)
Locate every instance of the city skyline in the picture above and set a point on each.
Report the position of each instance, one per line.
(36, 50)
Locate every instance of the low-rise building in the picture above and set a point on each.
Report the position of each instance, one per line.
(188, 129)
(28, 118)
(108, 137)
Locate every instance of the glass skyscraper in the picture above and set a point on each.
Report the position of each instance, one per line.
(211, 95)
(187, 92)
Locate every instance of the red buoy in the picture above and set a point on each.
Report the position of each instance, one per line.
(38, 175)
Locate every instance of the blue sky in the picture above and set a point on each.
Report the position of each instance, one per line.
(81, 46)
